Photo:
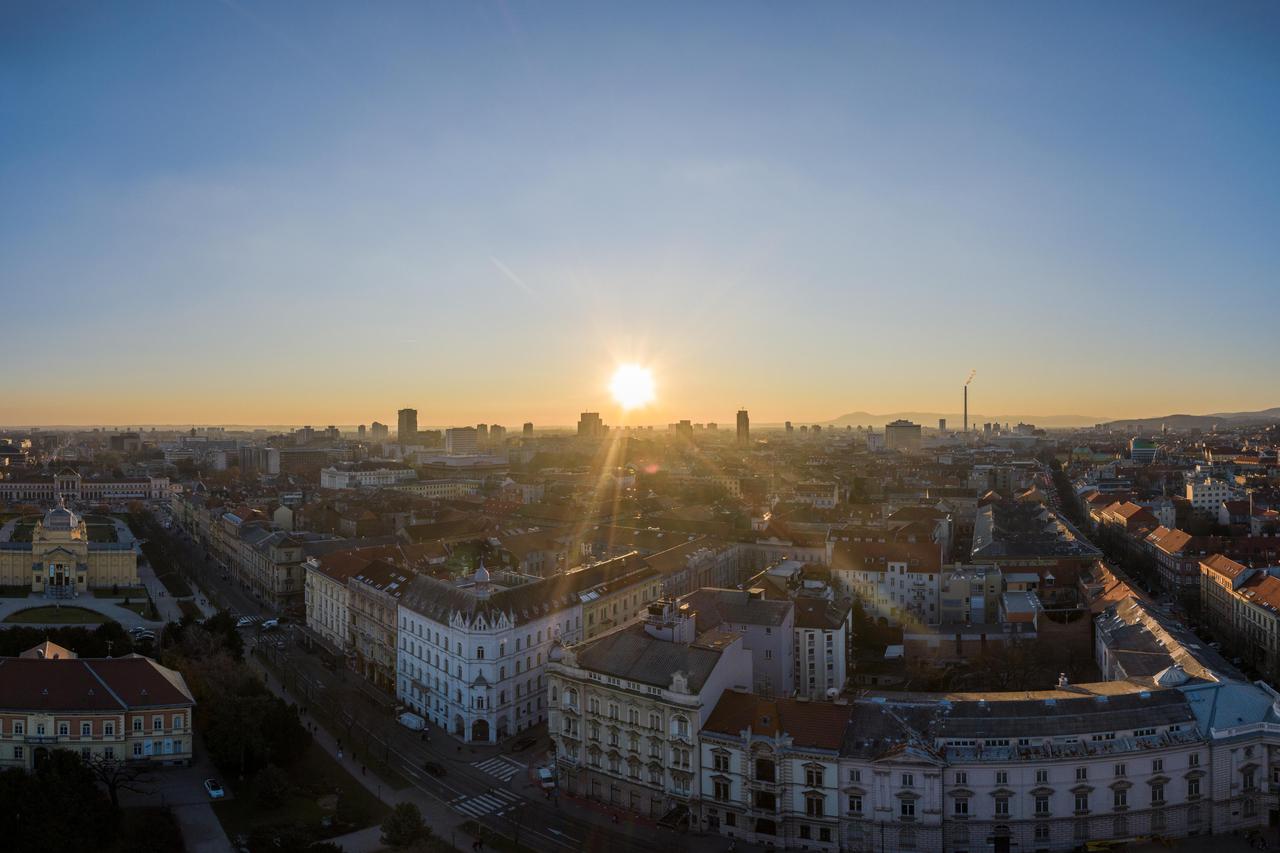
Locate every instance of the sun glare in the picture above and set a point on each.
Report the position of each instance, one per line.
(632, 386)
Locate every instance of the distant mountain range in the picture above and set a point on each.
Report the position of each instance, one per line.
(1265, 416)
(955, 420)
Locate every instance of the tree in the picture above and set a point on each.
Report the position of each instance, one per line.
(404, 826)
(271, 785)
(117, 775)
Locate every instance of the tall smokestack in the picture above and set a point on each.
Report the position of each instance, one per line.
(972, 373)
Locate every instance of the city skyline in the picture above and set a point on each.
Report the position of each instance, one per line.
(926, 194)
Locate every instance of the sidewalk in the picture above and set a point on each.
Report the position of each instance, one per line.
(438, 816)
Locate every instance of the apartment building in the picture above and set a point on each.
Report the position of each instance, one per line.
(626, 710)
(894, 582)
(373, 596)
(766, 625)
(472, 655)
(1244, 604)
(1047, 770)
(823, 627)
(1206, 494)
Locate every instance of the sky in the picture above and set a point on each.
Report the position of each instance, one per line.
(285, 213)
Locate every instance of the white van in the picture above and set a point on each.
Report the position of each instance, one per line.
(412, 722)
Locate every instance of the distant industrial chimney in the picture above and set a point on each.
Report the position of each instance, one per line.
(972, 373)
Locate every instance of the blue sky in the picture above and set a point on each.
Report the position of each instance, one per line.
(289, 212)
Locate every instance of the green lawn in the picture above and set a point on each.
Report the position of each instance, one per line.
(65, 615)
(315, 776)
(142, 608)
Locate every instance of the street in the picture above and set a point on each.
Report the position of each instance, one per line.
(486, 783)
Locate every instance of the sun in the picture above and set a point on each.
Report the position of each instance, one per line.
(632, 386)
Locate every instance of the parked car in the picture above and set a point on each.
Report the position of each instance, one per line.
(546, 778)
(271, 624)
(243, 622)
(214, 789)
(435, 768)
(412, 721)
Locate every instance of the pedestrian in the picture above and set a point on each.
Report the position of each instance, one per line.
(362, 770)
(339, 753)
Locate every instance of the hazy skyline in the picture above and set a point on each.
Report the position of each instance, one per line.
(293, 213)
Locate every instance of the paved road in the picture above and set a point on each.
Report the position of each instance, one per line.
(513, 805)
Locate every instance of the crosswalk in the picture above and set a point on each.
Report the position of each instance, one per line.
(502, 767)
(494, 802)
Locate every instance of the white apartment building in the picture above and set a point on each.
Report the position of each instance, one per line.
(472, 656)
(1207, 494)
(627, 708)
(1047, 770)
(895, 582)
(822, 630)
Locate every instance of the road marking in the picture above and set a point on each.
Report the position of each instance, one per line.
(500, 767)
(483, 804)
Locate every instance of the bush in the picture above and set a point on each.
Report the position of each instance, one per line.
(404, 827)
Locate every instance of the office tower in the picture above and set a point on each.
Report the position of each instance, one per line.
(460, 441)
(744, 427)
(482, 431)
(407, 426)
(902, 435)
(360, 432)
(379, 431)
(528, 429)
(590, 425)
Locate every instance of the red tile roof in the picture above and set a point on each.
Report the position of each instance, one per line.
(819, 725)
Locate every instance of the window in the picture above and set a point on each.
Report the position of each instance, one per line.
(1193, 760)
(1120, 770)
(813, 777)
(109, 729)
(109, 753)
(1082, 802)
(86, 729)
(1042, 832)
(962, 778)
(1042, 777)
(1002, 805)
(1042, 804)
(1157, 792)
(764, 769)
(855, 775)
(137, 724)
(722, 790)
(1157, 765)
(962, 806)
(1193, 788)
(1082, 773)
(1249, 782)
(1120, 798)
(908, 808)
(855, 803)
(137, 749)
(908, 780)
(1002, 777)
(18, 753)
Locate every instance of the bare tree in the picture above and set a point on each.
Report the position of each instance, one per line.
(117, 775)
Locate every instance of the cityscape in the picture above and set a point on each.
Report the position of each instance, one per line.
(717, 427)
